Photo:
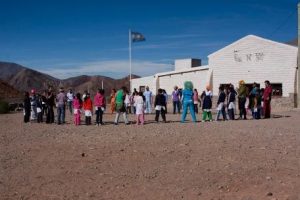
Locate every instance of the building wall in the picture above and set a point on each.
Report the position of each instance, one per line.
(149, 81)
(254, 59)
(199, 79)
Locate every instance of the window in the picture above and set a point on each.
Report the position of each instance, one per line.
(142, 88)
(276, 89)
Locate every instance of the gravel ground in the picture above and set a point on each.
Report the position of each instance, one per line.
(246, 160)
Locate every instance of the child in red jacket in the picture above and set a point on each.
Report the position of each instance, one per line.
(88, 109)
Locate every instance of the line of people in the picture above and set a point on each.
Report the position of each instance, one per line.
(140, 103)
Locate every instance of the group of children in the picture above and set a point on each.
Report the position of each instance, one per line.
(35, 105)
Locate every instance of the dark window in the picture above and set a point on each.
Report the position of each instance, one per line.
(276, 89)
(142, 88)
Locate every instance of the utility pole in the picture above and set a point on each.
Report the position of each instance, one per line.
(298, 61)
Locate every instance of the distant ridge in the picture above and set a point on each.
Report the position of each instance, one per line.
(24, 79)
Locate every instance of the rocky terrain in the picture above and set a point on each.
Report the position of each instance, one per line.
(234, 160)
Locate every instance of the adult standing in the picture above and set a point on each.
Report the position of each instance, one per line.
(61, 100)
(187, 101)
(267, 99)
(148, 97)
(33, 102)
(166, 98)
(176, 100)
(50, 105)
(70, 98)
(242, 96)
(27, 107)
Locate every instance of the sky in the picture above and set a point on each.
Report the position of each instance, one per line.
(90, 37)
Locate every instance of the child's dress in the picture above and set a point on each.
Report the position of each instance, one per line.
(139, 103)
(77, 107)
(88, 106)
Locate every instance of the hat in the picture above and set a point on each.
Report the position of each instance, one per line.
(32, 91)
(241, 82)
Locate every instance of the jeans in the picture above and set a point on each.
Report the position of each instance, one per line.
(242, 102)
(27, 115)
(50, 115)
(186, 105)
(70, 106)
(231, 114)
(99, 115)
(176, 104)
(223, 113)
(148, 107)
(196, 108)
(61, 114)
(257, 113)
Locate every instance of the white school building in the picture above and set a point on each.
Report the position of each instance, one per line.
(252, 59)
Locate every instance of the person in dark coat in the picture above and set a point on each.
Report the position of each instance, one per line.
(231, 102)
(27, 107)
(221, 104)
(160, 105)
(50, 106)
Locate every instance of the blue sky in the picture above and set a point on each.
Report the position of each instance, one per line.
(70, 38)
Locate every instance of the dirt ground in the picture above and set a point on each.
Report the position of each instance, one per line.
(244, 160)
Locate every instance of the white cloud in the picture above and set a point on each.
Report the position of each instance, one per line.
(114, 69)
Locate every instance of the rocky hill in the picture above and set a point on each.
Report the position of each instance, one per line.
(9, 93)
(24, 79)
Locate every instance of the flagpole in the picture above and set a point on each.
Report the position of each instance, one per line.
(130, 40)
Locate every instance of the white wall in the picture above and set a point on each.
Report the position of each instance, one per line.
(199, 79)
(255, 59)
(145, 81)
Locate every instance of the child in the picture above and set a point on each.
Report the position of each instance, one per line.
(257, 105)
(160, 106)
(221, 104)
(77, 103)
(231, 103)
(120, 105)
(196, 100)
(207, 104)
(100, 105)
(139, 104)
(88, 107)
(27, 107)
(127, 103)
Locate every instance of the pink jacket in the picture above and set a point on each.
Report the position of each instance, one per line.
(76, 104)
(99, 100)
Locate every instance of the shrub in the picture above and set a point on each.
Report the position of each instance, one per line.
(4, 107)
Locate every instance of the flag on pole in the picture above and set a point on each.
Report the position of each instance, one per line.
(137, 37)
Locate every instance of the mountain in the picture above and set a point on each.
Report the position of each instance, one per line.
(24, 79)
(9, 93)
